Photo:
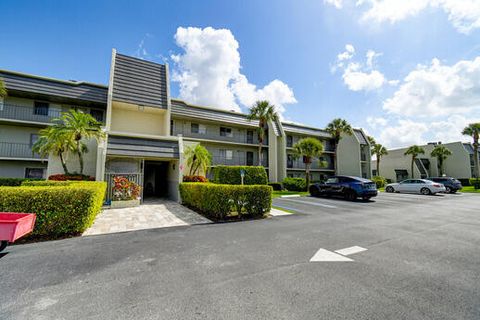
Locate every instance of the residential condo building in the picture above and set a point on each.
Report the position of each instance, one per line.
(148, 131)
(396, 166)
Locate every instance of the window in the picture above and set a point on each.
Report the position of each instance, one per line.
(198, 128)
(289, 141)
(226, 132)
(40, 108)
(97, 114)
(249, 136)
(229, 154)
(289, 161)
(249, 158)
(171, 127)
(34, 173)
(33, 139)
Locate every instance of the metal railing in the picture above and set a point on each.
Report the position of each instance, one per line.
(298, 164)
(237, 161)
(18, 150)
(134, 177)
(17, 112)
(215, 135)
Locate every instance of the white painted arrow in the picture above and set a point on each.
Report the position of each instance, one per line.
(325, 255)
(350, 250)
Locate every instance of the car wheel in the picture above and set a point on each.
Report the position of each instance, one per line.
(389, 189)
(350, 195)
(314, 191)
(3, 245)
(448, 190)
(425, 191)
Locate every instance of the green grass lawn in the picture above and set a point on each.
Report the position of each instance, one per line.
(277, 194)
(470, 189)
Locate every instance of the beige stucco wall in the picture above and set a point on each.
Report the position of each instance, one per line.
(17, 134)
(138, 120)
(348, 153)
(16, 169)
(89, 159)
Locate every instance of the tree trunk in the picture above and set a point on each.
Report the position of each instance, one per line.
(260, 156)
(411, 168)
(378, 166)
(307, 174)
(80, 156)
(475, 158)
(440, 164)
(64, 164)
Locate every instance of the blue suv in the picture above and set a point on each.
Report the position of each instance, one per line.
(347, 187)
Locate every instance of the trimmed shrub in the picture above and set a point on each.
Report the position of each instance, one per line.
(465, 182)
(475, 182)
(70, 177)
(194, 179)
(47, 183)
(218, 201)
(295, 184)
(61, 210)
(276, 186)
(14, 182)
(231, 175)
(379, 181)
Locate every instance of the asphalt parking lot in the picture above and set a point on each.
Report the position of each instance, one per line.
(395, 257)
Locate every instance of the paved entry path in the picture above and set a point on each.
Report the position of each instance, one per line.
(151, 214)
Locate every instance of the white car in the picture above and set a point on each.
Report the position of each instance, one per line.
(422, 186)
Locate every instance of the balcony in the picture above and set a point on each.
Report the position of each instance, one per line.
(237, 161)
(18, 151)
(24, 113)
(214, 134)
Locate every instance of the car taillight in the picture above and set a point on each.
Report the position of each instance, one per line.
(436, 185)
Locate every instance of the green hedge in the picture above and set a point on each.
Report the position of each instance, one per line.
(295, 184)
(217, 201)
(14, 182)
(47, 183)
(379, 181)
(475, 182)
(277, 186)
(231, 175)
(61, 210)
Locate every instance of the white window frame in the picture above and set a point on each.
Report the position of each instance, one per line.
(229, 154)
(29, 168)
(228, 132)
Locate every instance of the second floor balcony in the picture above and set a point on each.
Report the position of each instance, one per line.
(237, 161)
(18, 151)
(25, 113)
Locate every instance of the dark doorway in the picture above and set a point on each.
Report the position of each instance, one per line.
(155, 182)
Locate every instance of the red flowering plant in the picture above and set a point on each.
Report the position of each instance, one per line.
(124, 189)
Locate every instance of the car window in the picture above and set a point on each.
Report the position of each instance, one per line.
(344, 179)
(406, 181)
(419, 181)
(436, 179)
(332, 180)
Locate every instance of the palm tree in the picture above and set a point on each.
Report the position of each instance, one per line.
(379, 151)
(80, 126)
(336, 128)
(198, 159)
(264, 112)
(441, 153)
(473, 130)
(54, 140)
(371, 141)
(308, 148)
(414, 151)
(3, 90)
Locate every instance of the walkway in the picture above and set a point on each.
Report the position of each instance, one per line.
(151, 214)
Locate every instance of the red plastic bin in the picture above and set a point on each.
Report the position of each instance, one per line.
(15, 225)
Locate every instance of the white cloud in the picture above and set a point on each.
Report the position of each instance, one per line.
(358, 76)
(208, 72)
(463, 14)
(404, 133)
(438, 90)
(375, 122)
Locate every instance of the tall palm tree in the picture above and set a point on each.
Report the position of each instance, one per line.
(379, 151)
(473, 130)
(56, 141)
(308, 148)
(80, 126)
(414, 151)
(3, 90)
(371, 141)
(264, 112)
(441, 153)
(198, 159)
(336, 128)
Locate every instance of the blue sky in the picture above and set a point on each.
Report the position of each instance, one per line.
(420, 83)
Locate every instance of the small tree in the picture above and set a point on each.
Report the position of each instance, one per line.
(441, 153)
(379, 151)
(414, 151)
(308, 148)
(336, 128)
(264, 112)
(78, 126)
(198, 159)
(3, 89)
(473, 130)
(54, 140)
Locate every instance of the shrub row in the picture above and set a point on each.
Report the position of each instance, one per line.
(217, 201)
(295, 184)
(194, 179)
(61, 209)
(475, 182)
(48, 183)
(232, 175)
(379, 181)
(14, 182)
(70, 177)
(276, 186)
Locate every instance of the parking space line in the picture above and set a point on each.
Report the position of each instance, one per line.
(328, 256)
(311, 203)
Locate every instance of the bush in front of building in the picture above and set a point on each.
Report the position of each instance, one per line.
(276, 186)
(14, 182)
(475, 182)
(295, 184)
(194, 179)
(222, 201)
(61, 210)
(379, 181)
(232, 175)
(70, 177)
(47, 183)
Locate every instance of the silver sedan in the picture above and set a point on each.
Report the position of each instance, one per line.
(421, 186)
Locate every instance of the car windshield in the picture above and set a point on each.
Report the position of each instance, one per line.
(332, 180)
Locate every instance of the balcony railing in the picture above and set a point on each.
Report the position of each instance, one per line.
(18, 150)
(315, 165)
(215, 135)
(17, 112)
(237, 161)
